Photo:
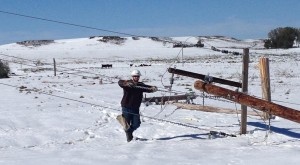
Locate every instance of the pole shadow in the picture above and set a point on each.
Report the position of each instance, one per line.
(191, 136)
(284, 131)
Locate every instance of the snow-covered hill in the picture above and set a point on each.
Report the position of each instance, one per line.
(70, 118)
(127, 49)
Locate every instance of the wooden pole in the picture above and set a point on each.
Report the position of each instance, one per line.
(265, 81)
(54, 64)
(243, 129)
(202, 77)
(256, 103)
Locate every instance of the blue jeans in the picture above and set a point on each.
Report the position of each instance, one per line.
(132, 117)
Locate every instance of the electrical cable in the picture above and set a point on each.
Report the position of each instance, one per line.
(69, 69)
(66, 23)
(80, 26)
(159, 89)
(87, 27)
(102, 106)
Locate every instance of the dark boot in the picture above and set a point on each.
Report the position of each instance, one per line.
(129, 136)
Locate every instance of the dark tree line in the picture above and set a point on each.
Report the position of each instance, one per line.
(282, 38)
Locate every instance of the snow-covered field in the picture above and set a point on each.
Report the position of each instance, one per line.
(70, 118)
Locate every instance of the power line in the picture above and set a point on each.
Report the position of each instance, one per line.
(82, 26)
(68, 69)
(80, 71)
(102, 106)
(63, 71)
(66, 23)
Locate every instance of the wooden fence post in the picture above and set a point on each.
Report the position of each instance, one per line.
(54, 63)
(265, 82)
(244, 90)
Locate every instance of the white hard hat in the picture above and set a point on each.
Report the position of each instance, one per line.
(136, 73)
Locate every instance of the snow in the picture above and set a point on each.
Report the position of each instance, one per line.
(70, 118)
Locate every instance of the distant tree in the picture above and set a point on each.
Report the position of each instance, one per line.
(298, 38)
(267, 44)
(282, 37)
(199, 44)
(4, 70)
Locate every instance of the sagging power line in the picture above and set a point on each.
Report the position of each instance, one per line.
(78, 71)
(67, 23)
(80, 26)
(102, 106)
(109, 77)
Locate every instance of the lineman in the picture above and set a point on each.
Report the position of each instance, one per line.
(131, 102)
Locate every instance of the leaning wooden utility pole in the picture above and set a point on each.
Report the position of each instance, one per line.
(265, 82)
(239, 97)
(203, 77)
(244, 90)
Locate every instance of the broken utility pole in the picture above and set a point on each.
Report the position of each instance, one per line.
(263, 105)
(203, 77)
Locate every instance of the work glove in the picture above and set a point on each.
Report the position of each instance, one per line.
(154, 88)
(130, 84)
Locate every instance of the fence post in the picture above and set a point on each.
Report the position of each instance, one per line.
(54, 63)
(265, 82)
(244, 90)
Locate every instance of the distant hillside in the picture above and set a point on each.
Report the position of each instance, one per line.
(127, 48)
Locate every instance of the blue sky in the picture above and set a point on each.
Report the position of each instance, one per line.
(241, 19)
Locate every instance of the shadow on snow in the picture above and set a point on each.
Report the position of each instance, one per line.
(284, 131)
(192, 136)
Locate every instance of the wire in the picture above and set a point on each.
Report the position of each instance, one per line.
(237, 115)
(278, 101)
(68, 69)
(66, 23)
(102, 106)
(80, 71)
(173, 91)
(76, 74)
(286, 102)
(89, 27)
(82, 26)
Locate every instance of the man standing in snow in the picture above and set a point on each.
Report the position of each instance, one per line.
(131, 102)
